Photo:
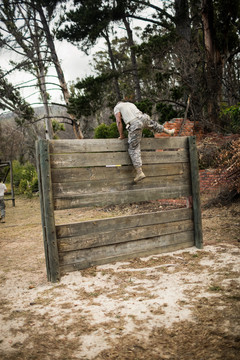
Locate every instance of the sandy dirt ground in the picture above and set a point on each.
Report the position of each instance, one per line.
(181, 305)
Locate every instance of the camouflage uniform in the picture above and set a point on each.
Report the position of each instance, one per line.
(2, 208)
(2, 203)
(135, 134)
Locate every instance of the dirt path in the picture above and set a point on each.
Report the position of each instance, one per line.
(183, 305)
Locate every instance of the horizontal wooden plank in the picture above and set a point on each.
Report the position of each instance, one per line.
(112, 145)
(108, 173)
(116, 184)
(65, 269)
(117, 236)
(123, 222)
(94, 256)
(121, 197)
(116, 158)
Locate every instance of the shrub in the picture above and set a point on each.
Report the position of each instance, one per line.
(101, 132)
(25, 179)
(104, 131)
(230, 116)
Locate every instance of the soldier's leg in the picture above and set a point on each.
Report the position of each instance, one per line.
(155, 126)
(134, 150)
(2, 210)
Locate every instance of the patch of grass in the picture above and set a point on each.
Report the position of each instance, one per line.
(215, 288)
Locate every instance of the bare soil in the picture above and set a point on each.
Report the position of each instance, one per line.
(182, 305)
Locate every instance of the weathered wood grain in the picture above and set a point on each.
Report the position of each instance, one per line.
(48, 213)
(114, 145)
(116, 158)
(124, 173)
(122, 222)
(41, 194)
(116, 184)
(121, 197)
(95, 256)
(196, 192)
(76, 173)
(117, 236)
(65, 269)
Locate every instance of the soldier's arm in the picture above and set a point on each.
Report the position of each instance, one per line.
(119, 125)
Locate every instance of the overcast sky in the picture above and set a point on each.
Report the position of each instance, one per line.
(75, 64)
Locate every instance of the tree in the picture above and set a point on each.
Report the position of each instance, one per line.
(28, 25)
(90, 21)
(11, 100)
(21, 24)
(185, 54)
(221, 39)
(50, 6)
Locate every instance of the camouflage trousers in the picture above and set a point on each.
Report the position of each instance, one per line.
(135, 135)
(2, 208)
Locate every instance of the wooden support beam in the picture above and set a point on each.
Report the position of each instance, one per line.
(195, 192)
(48, 221)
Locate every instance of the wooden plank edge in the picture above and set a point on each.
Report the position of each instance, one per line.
(112, 145)
(126, 247)
(122, 222)
(65, 269)
(49, 220)
(195, 192)
(121, 197)
(122, 235)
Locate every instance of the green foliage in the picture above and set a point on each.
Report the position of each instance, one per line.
(25, 179)
(226, 23)
(145, 106)
(101, 132)
(86, 23)
(104, 131)
(177, 92)
(156, 45)
(89, 97)
(230, 117)
(167, 112)
(11, 100)
(113, 131)
(147, 133)
(57, 126)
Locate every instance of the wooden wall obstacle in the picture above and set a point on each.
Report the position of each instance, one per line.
(90, 173)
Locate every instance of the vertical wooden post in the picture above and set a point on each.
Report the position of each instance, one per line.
(12, 186)
(40, 188)
(47, 211)
(195, 192)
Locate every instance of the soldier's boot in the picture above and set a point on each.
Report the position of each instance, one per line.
(169, 132)
(139, 174)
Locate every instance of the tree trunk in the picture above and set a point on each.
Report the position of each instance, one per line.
(182, 20)
(214, 62)
(42, 85)
(133, 60)
(63, 84)
(115, 79)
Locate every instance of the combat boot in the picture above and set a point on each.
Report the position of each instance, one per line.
(169, 132)
(139, 174)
